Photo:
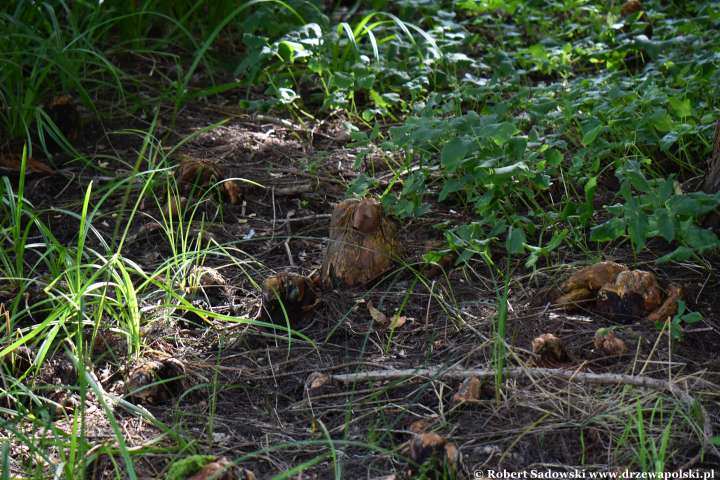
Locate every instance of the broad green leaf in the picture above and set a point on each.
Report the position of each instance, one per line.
(515, 240)
(364, 81)
(665, 224)
(608, 231)
(516, 147)
(513, 169)
(691, 318)
(637, 180)
(378, 100)
(343, 80)
(665, 189)
(668, 140)
(432, 256)
(532, 260)
(693, 204)
(556, 240)
(589, 189)
(453, 153)
(554, 158)
(591, 130)
(500, 133)
(637, 228)
(700, 238)
(538, 51)
(680, 254)
(451, 185)
(682, 108)
(290, 50)
(662, 121)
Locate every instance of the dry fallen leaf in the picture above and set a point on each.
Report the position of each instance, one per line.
(223, 469)
(469, 391)
(584, 284)
(232, 189)
(452, 456)
(203, 173)
(593, 277)
(397, 321)
(420, 426)
(13, 161)
(574, 298)
(197, 172)
(379, 317)
(317, 383)
(615, 292)
(424, 445)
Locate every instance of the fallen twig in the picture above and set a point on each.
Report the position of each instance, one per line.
(318, 216)
(456, 373)
(295, 189)
(289, 253)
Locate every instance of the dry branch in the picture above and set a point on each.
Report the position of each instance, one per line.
(459, 374)
(294, 189)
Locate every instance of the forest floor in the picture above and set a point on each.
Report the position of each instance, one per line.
(247, 392)
(181, 299)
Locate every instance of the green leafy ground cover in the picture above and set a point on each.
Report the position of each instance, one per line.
(526, 137)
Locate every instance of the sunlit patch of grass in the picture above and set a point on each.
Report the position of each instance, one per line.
(77, 292)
